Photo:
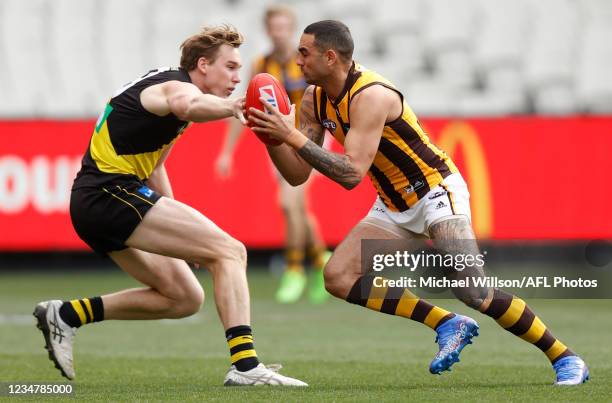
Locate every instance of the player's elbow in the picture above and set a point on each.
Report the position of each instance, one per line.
(296, 180)
(351, 181)
(350, 184)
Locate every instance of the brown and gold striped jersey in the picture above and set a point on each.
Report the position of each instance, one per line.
(407, 165)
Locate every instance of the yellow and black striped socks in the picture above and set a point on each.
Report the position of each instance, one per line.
(294, 259)
(514, 315)
(396, 301)
(79, 312)
(242, 350)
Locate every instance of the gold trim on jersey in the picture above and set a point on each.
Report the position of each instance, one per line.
(407, 165)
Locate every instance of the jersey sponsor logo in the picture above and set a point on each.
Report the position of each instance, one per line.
(329, 124)
(436, 194)
(145, 191)
(415, 186)
(267, 92)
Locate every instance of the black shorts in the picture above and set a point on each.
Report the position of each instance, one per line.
(105, 216)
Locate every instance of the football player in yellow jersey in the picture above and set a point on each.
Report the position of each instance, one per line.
(420, 193)
(302, 233)
(122, 206)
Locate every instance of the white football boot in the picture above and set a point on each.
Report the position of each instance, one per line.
(58, 335)
(260, 375)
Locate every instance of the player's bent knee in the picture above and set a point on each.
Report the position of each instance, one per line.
(190, 303)
(334, 282)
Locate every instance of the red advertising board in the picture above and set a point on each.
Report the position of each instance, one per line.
(530, 178)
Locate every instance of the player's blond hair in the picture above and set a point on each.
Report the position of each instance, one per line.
(279, 9)
(206, 43)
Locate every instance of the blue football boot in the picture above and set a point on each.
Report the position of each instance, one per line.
(453, 336)
(571, 371)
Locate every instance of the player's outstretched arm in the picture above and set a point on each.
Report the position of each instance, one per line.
(188, 103)
(369, 111)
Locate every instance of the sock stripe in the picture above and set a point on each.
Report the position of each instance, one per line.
(435, 316)
(376, 298)
(87, 314)
(406, 304)
(564, 354)
(546, 341)
(239, 340)
(555, 350)
(97, 307)
(392, 300)
(512, 314)
(361, 288)
(535, 332)
(421, 310)
(242, 355)
(76, 305)
(500, 304)
(523, 324)
(88, 310)
(241, 347)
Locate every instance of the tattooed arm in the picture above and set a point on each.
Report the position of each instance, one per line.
(293, 168)
(369, 111)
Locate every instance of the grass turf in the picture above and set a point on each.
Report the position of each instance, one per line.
(345, 353)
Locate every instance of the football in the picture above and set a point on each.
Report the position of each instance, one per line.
(266, 86)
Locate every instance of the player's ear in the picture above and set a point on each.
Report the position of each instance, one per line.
(203, 64)
(331, 56)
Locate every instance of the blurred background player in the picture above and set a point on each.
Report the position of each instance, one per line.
(303, 239)
(122, 205)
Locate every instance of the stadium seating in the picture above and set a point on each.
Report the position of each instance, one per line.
(63, 58)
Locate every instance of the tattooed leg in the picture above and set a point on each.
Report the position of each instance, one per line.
(455, 237)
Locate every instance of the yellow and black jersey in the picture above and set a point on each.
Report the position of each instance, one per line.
(289, 74)
(407, 165)
(128, 140)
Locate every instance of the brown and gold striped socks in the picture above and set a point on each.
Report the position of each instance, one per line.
(396, 301)
(294, 259)
(513, 314)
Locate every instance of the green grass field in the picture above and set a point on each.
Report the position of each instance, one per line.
(345, 353)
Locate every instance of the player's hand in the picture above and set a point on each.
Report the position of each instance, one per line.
(224, 165)
(272, 122)
(238, 106)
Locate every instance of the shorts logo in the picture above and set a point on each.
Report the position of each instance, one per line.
(145, 191)
(267, 92)
(436, 194)
(440, 205)
(329, 124)
(415, 186)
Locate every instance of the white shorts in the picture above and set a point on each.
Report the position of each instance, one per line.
(450, 198)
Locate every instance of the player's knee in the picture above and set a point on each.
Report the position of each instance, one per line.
(471, 297)
(232, 254)
(190, 302)
(333, 280)
(236, 251)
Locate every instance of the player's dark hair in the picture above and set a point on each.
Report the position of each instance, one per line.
(207, 43)
(331, 34)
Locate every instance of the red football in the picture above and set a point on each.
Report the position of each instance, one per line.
(264, 85)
